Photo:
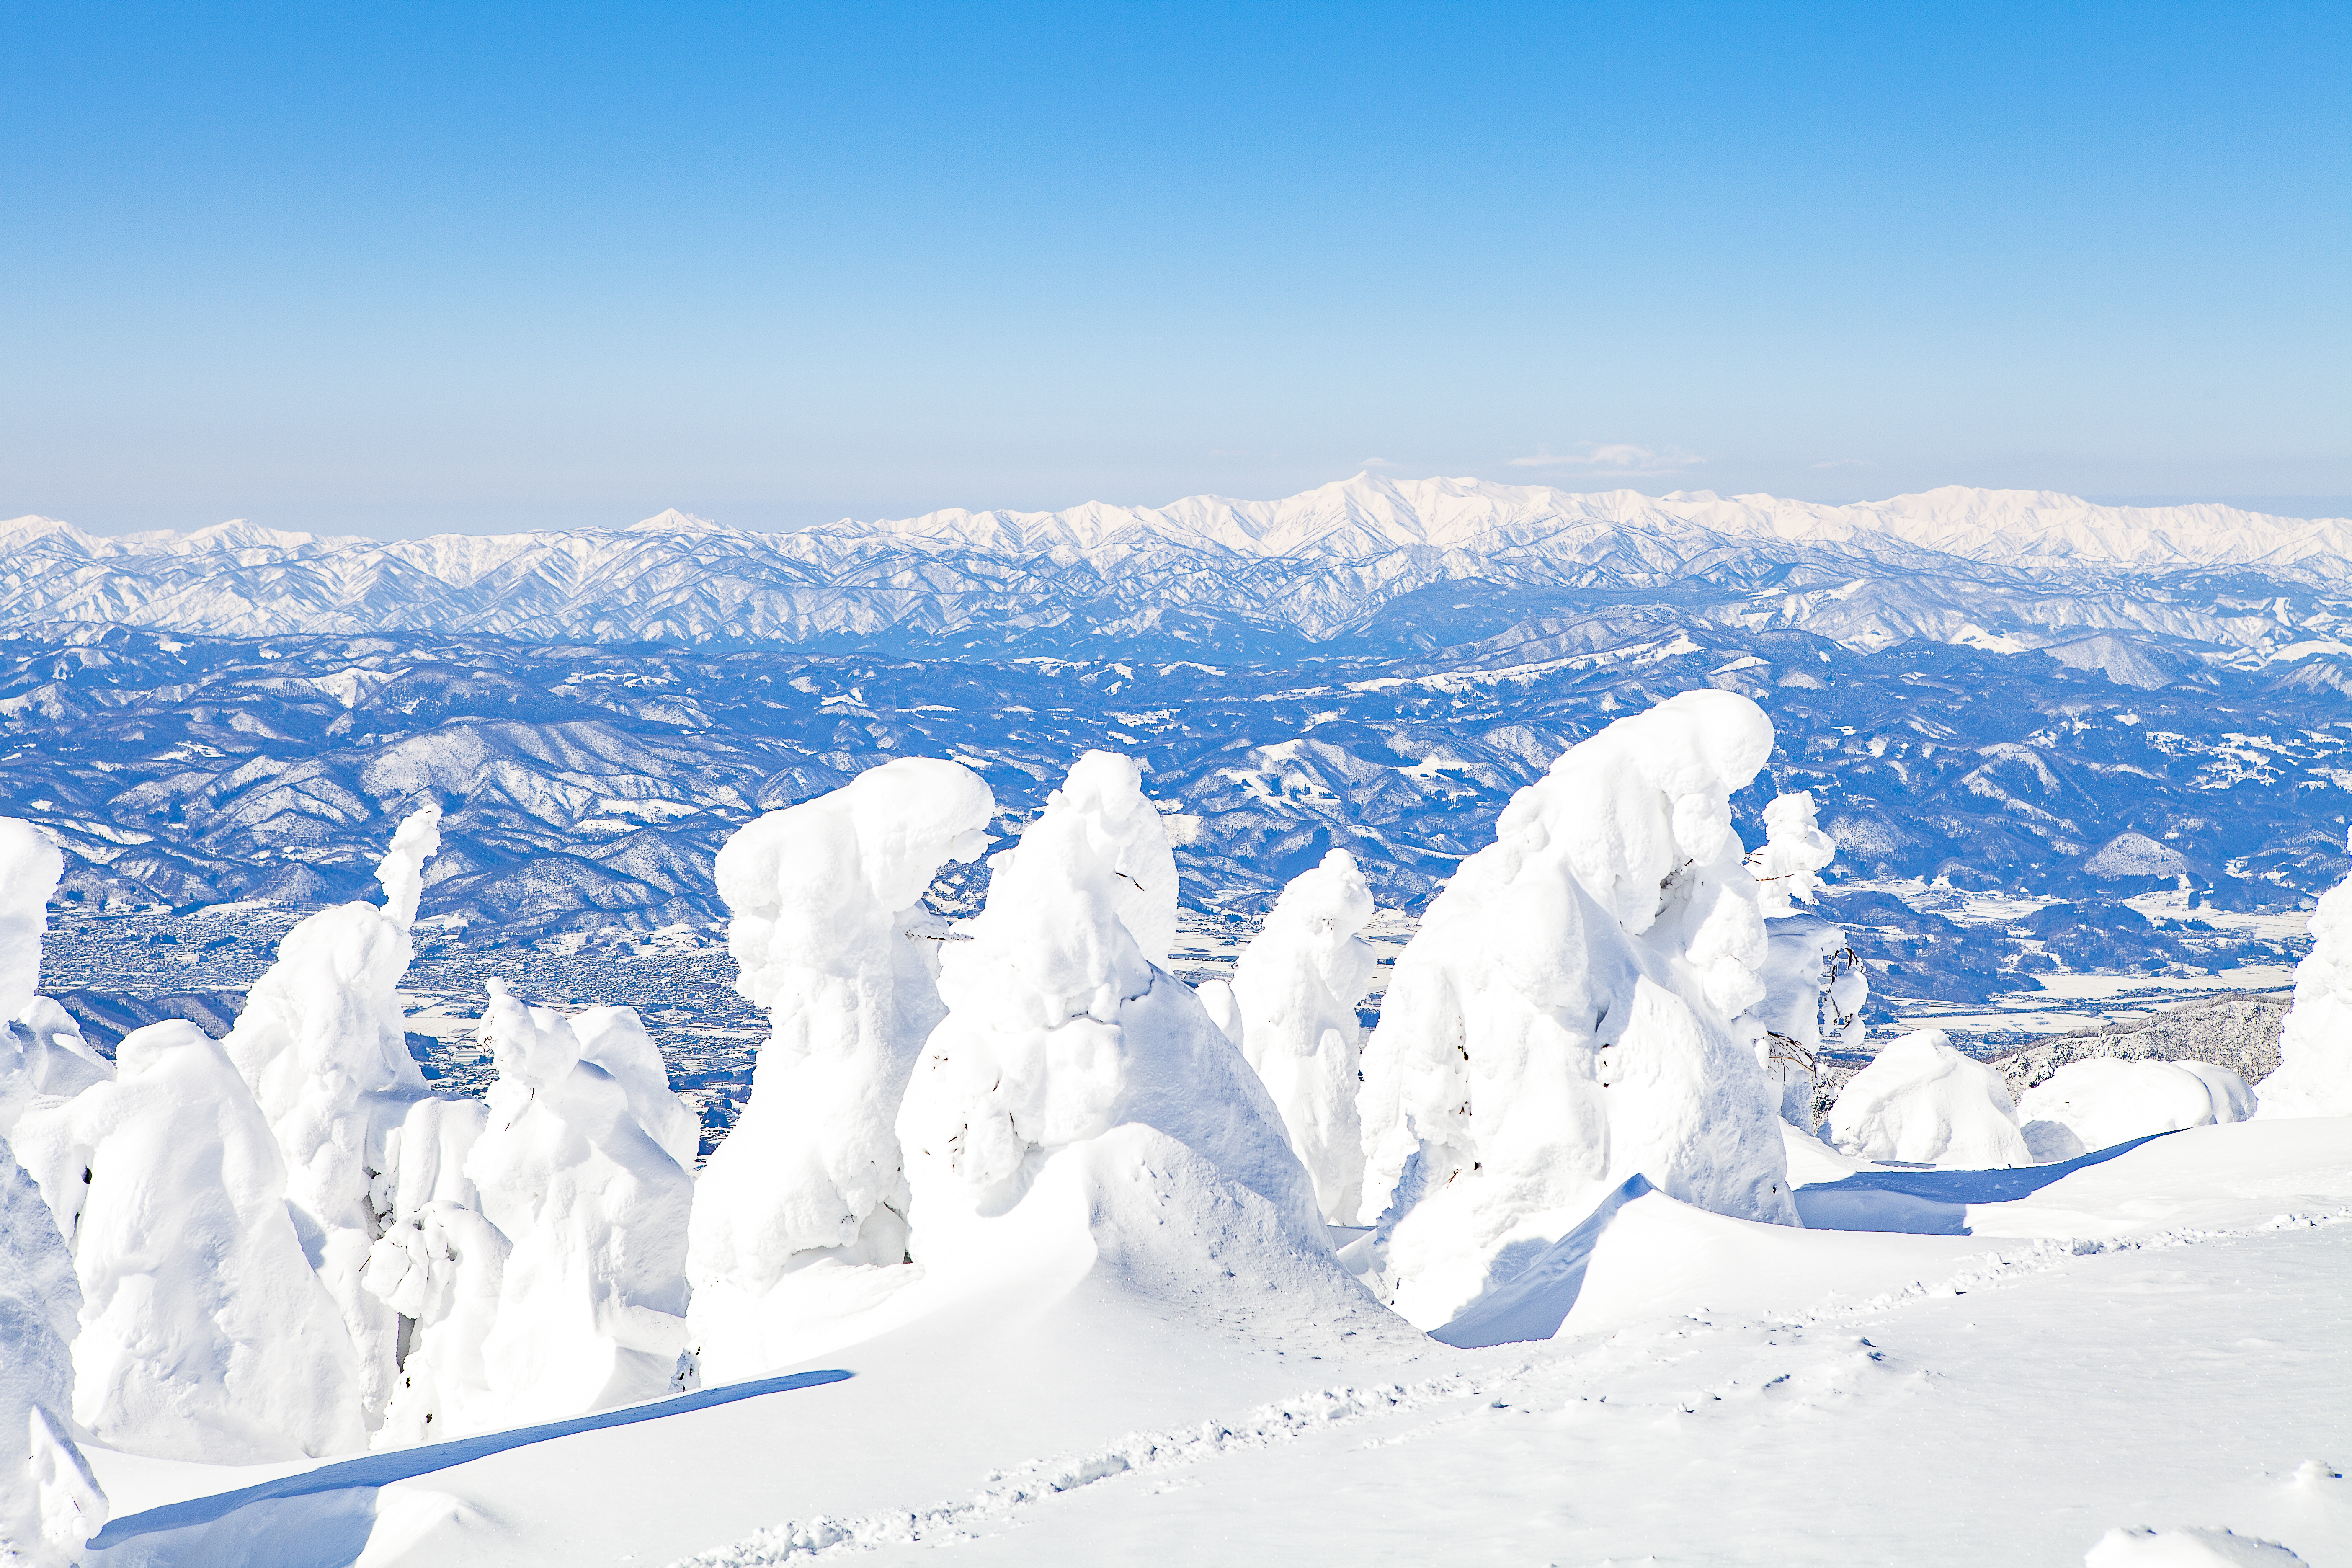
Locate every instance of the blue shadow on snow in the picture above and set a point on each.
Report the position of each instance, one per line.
(1974, 1186)
(373, 1470)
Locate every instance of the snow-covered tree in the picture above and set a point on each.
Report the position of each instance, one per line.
(1919, 1101)
(835, 942)
(42, 1054)
(1814, 984)
(322, 1043)
(1065, 1049)
(49, 1502)
(1294, 991)
(205, 1332)
(591, 1299)
(1573, 1012)
(440, 1265)
(2315, 1071)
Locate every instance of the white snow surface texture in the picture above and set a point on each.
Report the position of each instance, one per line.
(1294, 991)
(2105, 1102)
(1574, 1011)
(49, 1502)
(1922, 1102)
(834, 941)
(1078, 1096)
(2315, 1070)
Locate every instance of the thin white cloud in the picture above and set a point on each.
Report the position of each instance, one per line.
(1612, 457)
(1375, 463)
(1228, 452)
(1847, 463)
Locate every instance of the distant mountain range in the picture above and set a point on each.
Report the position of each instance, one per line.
(2014, 696)
(1367, 565)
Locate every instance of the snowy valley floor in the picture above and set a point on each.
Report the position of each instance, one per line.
(2156, 1338)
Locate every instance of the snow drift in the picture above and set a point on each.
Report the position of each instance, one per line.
(2104, 1101)
(1920, 1101)
(2315, 1070)
(1574, 1012)
(835, 942)
(1294, 995)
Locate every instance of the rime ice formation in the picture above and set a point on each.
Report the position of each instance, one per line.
(205, 1333)
(42, 1054)
(1571, 1013)
(1814, 985)
(49, 1502)
(2315, 1070)
(1075, 1094)
(30, 866)
(1788, 866)
(1294, 996)
(835, 942)
(322, 1043)
(439, 1265)
(2104, 1101)
(1923, 1103)
(591, 1299)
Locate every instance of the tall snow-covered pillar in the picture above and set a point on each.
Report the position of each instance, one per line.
(1570, 1013)
(1814, 984)
(50, 1503)
(2315, 1070)
(835, 942)
(591, 1299)
(1294, 992)
(1067, 1055)
(322, 1043)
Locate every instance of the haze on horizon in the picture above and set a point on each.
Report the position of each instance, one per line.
(402, 272)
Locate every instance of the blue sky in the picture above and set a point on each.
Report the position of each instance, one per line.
(400, 268)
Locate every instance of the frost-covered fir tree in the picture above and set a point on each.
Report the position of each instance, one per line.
(2315, 1071)
(592, 1297)
(1814, 984)
(1079, 1102)
(322, 1043)
(1573, 1012)
(835, 942)
(1294, 993)
(50, 1503)
(205, 1332)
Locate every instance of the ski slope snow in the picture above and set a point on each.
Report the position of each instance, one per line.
(2143, 1340)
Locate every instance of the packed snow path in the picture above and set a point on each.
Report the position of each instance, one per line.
(2153, 1339)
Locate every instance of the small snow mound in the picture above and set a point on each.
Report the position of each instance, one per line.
(2189, 1548)
(2105, 1100)
(1922, 1102)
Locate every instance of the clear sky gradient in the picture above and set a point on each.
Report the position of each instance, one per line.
(398, 269)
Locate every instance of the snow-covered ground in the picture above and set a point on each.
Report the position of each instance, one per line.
(2019, 1363)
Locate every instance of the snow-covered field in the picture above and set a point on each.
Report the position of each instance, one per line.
(2151, 1341)
(1031, 1246)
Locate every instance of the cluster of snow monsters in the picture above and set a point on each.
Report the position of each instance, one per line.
(280, 1243)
